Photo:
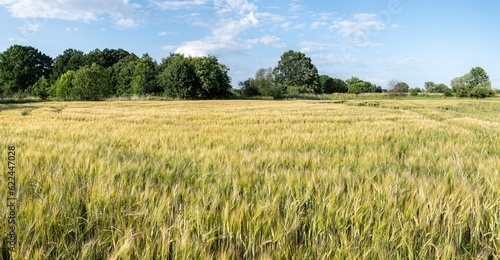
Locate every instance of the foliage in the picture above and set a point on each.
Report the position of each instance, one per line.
(63, 87)
(476, 84)
(91, 83)
(178, 79)
(248, 88)
(123, 74)
(401, 87)
(329, 85)
(295, 69)
(144, 77)
(432, 87)
(21, 67)
(414, 92)
(70, 59)
(40, 88)
(265, 83)
(448, 92)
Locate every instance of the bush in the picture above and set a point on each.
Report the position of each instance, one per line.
(448, 92)
(414, 92)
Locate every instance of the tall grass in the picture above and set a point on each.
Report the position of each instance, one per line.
(255, 179)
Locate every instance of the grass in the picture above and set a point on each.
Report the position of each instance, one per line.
(308, 179)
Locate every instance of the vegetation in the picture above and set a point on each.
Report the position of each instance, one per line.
(475, 84)
(383, 179)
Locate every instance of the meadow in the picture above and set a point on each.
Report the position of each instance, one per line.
(254, 179)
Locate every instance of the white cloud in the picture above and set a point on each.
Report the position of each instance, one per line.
(308, 46)
(268, 40)
(317, 24)
(176, 5)
(361, 25)
(127, 23)
(333, 58)
(235, 17)
(290, 26)
(74, 10)
(30, 28)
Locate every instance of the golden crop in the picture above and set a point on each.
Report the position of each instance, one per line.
(383, 179)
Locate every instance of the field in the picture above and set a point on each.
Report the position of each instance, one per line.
(257, 179)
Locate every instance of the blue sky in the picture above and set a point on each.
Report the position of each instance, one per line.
(409, 40)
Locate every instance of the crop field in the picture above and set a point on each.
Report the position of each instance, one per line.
(253, 179)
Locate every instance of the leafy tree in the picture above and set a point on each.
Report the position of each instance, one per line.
(330, 85)
(248, 88)
(105, 58)
(178, 79)
(63, 87)
(355, 85)
(265, 83)
(431, 87)
(92, 83)
(212, 77)
(123, 73)
(295, 69)
(40, 88)
(401, 87)
(21, 67)
(144, 76)
(476, 83)
(70, 59)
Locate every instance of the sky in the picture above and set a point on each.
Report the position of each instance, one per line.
(376, 40)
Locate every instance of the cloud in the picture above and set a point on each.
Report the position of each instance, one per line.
(307, 46)
(235, 17)
(268, 40)
(361, 25)
(177, 5)
(30, 28)
(127, 23)
(334, 58)
(360, 29)
(74, 10)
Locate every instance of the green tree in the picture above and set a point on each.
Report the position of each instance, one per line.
(92, 83)
(401, 87)
(212, 77)
(295, 69)
(105, 58)
(178, 78)
(476, 84)
(355, 85)
(248, 88)
(329, 85)
(21, 67)
(40, 88)
(144, 76)
(123, 73)
(265, 83)
(70, 59)
(63, 87)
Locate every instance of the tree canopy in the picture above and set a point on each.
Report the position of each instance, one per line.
(295, 69)
(476, 84)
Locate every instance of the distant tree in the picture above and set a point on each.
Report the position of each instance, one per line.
(295, 69)
(265, 83)
(40, 88)
(248, 88)
(70, 59)
(63, 87)
(355, 85)
(123, 73)
(105, 58)
(21, 67)
(476, 84)
(91, 83)
(144, 76)
(330, 85)
(212, 77)
(414, 91)
(401, 87)
(178, 78)
(431, 87)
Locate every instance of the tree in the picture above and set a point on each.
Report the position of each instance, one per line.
(123, 73)
(476, 84)
(355, 85)
(105, 58)
(91, 83)
(70, 59)
(265, 83)
(178, 79)
(63, 87)
(212, 77)
(296, 70)
(401, 87)
(248, 88)
(330, 85)
(431, 87)
(40, 88)
(21, 67)
(144, 76)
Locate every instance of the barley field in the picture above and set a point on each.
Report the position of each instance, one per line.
(254, 179)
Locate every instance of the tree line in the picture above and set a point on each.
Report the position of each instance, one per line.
(100, 74)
